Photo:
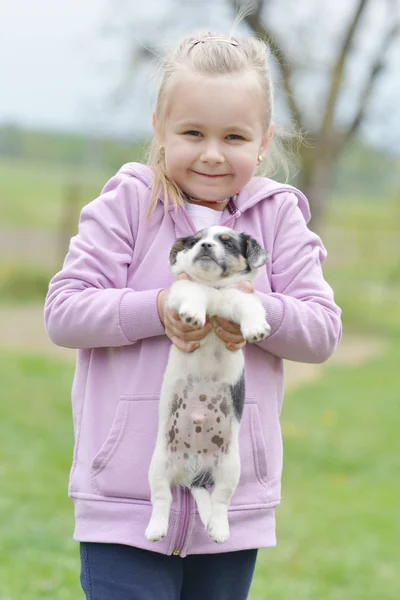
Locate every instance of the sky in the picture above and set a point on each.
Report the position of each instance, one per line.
(60, 63)
(51, 62)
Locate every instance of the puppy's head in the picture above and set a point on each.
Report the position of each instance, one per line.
(217, 255)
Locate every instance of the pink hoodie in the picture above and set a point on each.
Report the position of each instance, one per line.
(103, 302)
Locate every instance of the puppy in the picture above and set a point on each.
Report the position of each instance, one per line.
(202, 394)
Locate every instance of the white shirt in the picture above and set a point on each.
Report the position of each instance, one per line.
(202, 216)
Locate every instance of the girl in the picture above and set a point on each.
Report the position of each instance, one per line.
(213, 125)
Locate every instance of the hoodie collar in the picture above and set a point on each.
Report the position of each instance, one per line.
(258, 189)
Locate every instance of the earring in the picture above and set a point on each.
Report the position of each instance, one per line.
(259, 160)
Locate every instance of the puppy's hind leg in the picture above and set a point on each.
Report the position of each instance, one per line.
(203, 501)
(161, 497)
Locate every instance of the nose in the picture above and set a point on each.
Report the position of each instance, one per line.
(207, 245)
(212, 155)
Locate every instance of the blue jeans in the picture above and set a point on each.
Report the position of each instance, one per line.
(116, 572)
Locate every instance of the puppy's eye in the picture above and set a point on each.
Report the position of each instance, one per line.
(227, 243)
(192, 243)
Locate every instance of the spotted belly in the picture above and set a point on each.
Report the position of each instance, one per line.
(200, 421)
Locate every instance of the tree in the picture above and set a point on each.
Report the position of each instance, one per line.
(327, 139)
(296, 48)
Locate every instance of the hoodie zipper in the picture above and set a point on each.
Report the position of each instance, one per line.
(185, 503)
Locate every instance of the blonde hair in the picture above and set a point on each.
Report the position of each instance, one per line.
(210, 54)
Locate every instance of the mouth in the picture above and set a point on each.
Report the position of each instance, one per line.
(211, 176)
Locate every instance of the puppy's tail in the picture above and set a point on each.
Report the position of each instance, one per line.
(203, 501)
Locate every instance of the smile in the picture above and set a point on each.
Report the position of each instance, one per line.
(211, 176)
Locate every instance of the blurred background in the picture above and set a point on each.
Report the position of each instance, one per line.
(78, 82)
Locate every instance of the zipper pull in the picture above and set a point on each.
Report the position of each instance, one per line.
(177, 551)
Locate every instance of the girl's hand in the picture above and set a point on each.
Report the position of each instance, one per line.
(230, 332)
(181, 335)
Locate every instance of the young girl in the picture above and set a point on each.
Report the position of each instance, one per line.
(213, 126)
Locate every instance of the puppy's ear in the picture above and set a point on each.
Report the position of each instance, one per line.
(180, 244)
(254, 254)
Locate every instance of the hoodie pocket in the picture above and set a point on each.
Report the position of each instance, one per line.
(252, 488)
(120, 468)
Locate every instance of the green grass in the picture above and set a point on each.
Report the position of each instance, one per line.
(33, 195)
(338, 525)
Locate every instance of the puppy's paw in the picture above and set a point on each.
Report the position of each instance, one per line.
(157, 529)
(192, 318)
(255, 332)
(218, 530)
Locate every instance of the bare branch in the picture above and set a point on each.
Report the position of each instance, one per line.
(254, 20)
(338, 69)
(377, 66)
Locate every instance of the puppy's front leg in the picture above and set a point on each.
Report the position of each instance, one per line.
(247, 311)
(190, 301)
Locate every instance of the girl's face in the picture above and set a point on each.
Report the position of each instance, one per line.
(212, 136)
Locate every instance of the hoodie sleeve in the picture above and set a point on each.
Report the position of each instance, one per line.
(305, 321)
(88, 304)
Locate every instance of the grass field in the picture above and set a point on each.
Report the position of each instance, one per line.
(339, 523)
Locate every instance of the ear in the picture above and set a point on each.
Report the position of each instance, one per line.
(267, 139)
(255, 255)
(180, 244)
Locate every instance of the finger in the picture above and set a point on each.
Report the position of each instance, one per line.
(184, 276)
(246, 286)
(184, 346)
(234, 347)
(228, 325)
(229, 337)
(187, 335)
(195, 334)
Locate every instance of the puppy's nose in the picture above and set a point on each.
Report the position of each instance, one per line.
(207, 245)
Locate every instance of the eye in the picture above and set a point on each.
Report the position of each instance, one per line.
(234, 136)
(193, 133)
(192, 243)
(227, 243)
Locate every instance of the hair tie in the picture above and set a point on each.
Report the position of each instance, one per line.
(214, 38)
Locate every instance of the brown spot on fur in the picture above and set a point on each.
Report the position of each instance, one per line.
(202, 398)
(224, 407)
(205, 450)
(210, 407)
(198, 429)
(218, 441)
(225, 237)
(174, 404)
(183, 406)
(218, 419)
(186, 456)
(187, 445)
(171, 433)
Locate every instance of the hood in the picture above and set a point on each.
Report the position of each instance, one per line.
(258, 189)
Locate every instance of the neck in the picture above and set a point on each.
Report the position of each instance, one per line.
(214, 204)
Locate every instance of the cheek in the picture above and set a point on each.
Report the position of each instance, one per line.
(244, 160)
(178, 153)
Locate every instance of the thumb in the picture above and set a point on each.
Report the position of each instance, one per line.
(246, 286)
(183, 276)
